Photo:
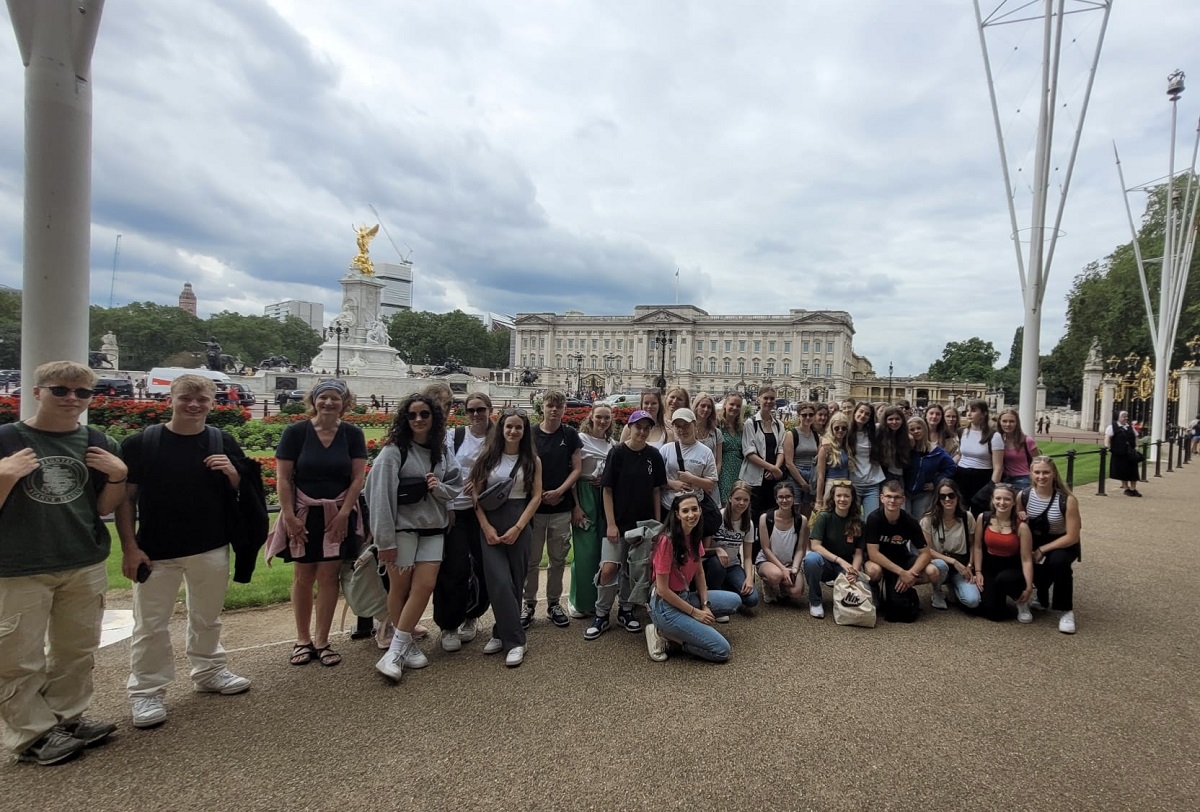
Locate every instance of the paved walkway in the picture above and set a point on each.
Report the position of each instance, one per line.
(949, 713)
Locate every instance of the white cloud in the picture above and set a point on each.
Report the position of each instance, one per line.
(547, 156)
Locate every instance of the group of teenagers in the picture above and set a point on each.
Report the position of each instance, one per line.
(690, 512)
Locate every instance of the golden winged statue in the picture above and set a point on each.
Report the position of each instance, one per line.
(362, 261)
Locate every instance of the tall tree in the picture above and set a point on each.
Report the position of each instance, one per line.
(970, 360)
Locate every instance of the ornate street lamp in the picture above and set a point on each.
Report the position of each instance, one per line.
(336, 332)
(578, 359)
(661, 341)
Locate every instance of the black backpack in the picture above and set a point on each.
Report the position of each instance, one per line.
(247, 506)
(900, 607)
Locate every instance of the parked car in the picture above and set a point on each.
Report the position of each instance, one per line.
(623, 399)
(244, 396)
(297, 395)
(114, 388)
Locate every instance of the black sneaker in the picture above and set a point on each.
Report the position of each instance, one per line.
(629, 620)
(557, 616)
(89, 731)
(54, 747)
(527, 616)
(599, 626)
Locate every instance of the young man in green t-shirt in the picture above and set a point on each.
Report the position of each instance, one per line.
(53, 491)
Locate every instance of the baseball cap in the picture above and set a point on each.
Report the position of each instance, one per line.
(639, 414)
(683, 414)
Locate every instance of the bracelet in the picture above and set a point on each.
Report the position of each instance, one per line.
(116, 481)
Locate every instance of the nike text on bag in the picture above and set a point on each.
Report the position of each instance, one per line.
(852, 604)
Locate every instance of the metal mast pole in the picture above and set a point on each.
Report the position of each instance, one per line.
(55, 39)
(1041, 250)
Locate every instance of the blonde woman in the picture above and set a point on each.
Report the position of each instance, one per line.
(677, 398)
(707, 430)
(732, 419)
(595, 433)
(833, 459)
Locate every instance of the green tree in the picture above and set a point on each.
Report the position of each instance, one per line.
(147, 332)
(970, 360)
(422, 337)
(10, 330)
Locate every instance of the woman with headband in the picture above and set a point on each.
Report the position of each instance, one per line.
(322, 464)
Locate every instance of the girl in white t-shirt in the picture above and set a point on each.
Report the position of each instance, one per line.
(980, 453)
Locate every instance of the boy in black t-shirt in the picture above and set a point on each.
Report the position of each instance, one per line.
(632, 481)
(892, 535)
(558, 446)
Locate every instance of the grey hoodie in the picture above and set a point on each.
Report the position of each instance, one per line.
(429, 514)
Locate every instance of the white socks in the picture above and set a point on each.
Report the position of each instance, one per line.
(400, 641)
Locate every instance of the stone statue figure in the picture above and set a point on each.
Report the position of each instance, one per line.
(212, 353)
(349, 315)
(377, 333)
(1093, 356)
(362, 261)
(109, 339)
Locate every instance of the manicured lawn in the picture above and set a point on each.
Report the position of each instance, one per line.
(1087, 461)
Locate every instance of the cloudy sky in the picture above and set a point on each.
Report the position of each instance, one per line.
(545, 156)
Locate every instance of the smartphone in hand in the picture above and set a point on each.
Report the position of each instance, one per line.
(143, 572)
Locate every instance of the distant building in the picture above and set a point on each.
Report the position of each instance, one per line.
(397, 278)
(311, 313)
(187, 299)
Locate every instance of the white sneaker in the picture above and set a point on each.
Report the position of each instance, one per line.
(1066, 623)
(224, 682)
(721, 618)
(493, 646)
(451, 641)
(938, 599)
(817, 610)
(149, 711)
(655, 644)
(1023, 613)
(574, 613)
(413, 657)
(468, 630)
(515, 657)
(391, 666)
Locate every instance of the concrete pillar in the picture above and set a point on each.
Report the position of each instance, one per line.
(1189, 394)
(1087, 408)
(55, 39)
(1107, 398)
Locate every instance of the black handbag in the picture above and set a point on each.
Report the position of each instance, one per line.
(494, 496)
(410, 489)
(982, 500)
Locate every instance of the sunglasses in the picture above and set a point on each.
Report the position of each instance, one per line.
(477, 409)
(63, 391)
(806, 414)
(840, 428)
(513, 413)
(840, 482)
(947, 497)
(421, 415)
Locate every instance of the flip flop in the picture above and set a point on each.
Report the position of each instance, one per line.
(303, 654)
(328, 656)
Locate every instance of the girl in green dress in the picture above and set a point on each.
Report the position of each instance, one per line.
(596, 435)
(731, 447)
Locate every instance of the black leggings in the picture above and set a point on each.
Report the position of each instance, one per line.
(1056, 571)
(1002, 579)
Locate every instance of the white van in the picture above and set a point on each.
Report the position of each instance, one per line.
(624, 399)
(158, 380)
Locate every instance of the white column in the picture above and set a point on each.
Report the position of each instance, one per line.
(1109, 396)
(55, 39)
(1189, 394)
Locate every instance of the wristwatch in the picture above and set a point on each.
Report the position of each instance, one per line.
(707, 605)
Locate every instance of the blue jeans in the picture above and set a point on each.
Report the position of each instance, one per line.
(869, 496)
(698, 639)
(818, 568)
(1018, 482)
(731, 578)
(967, 592)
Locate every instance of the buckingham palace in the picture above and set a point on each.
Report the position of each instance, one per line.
(806, 354)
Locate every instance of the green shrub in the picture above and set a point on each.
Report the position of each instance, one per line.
(293, 408)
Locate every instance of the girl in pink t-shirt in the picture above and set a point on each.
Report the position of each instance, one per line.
(682, 608)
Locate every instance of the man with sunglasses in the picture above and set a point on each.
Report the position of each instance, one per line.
(56, 482)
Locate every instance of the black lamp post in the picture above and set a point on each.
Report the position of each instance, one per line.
(337, 331)
(578, 359)
(661, 341)
(891, 397)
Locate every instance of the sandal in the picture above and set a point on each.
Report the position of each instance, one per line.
(303, 654)
(328, 656)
